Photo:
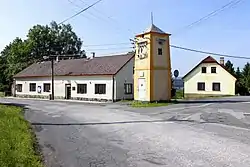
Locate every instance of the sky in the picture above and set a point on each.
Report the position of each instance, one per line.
(117, 21)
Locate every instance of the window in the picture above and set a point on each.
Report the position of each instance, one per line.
(46, 87)
(32, 87)
(201, 86)
(19, 87)
(159, 51)
(81, 88)
(203, 69)
(216, 86)
(213, 69)
(100, 88)
(128, 87)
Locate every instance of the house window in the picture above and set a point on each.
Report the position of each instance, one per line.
(32, 87)
(213, 69)
(159, 51)
(201, 86)
(19, 88)
(46, 87)
(128, 87)
(216, 86)
(81, 88)
(100, 88)
(203, 69)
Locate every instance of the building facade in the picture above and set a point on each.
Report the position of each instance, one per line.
(107, 78)
(152, 71)
(209, 78)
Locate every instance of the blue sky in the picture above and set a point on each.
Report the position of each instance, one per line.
(116, 21)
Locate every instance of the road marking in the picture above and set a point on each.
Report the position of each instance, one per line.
(182, 108)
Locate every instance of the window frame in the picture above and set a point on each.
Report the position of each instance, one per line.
(44, 86)
(34, 84)
(213, 68)
(202, 68)
(99, 87)
(213, 86)
(198, 88)
(160, 51)
(81, 90)
(128, 88)
(18, 86)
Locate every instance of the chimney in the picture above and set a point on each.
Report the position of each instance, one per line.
(222, 60)
(93, 55)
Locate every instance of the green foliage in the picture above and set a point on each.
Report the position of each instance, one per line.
(139, 104)
(242, 85)
(230, 67)
(41, 41)
(16, 140)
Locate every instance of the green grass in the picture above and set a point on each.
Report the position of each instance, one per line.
(1, 94)
(178, 94)
(138, 104)
(17, 142)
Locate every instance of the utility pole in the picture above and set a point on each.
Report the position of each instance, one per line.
(51, 58)
(52, 79)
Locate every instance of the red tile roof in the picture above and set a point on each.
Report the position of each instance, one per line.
(106, 65)
(208, 59)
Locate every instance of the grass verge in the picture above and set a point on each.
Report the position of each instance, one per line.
(138, 104)
(1, 94)
(17, 141)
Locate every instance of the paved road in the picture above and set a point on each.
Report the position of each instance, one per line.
(201, 134)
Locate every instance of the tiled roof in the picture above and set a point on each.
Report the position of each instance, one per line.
(153, 28)
(208, 59)
(106, 65)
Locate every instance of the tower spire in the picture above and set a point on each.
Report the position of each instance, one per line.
(152, 18)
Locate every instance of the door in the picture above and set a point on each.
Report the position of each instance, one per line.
(68, 91)
(142, 89)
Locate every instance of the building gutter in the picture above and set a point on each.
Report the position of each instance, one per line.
(113, 88)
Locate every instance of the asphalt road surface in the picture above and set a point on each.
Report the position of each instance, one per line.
(190, 134)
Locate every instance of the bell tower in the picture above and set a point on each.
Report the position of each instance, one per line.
(152, 69)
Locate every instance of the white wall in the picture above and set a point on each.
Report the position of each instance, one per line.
(227, 81)
(73, 80)
(125, 75)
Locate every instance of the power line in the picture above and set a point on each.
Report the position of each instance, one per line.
(213, 13)
(208, 53)
(109, 49)
(80, 12)
(110, 18)
(110, 44)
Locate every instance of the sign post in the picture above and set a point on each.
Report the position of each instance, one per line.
(176, 74)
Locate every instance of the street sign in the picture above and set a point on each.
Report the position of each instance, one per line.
(176, 73)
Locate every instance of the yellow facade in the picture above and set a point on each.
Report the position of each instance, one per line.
(151, 68)
(226, 80)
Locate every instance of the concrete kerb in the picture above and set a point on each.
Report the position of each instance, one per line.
(57, 100)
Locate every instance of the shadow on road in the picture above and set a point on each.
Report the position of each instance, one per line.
(99, 123)
(15, 104)
(208, 101)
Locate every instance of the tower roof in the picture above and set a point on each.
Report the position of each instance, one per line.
(153, 28)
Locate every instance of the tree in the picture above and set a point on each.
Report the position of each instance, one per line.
(54, 39)
(41, 41)
(245, 74)
(230, 67)
(240, 88)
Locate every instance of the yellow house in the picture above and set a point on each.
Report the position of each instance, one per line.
(152, 69)
(209, 78)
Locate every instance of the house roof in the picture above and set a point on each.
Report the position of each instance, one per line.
(208, 59)
(106, 65)
(153, 28)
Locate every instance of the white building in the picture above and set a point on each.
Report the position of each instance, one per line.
(209, 78)
(108, 78)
